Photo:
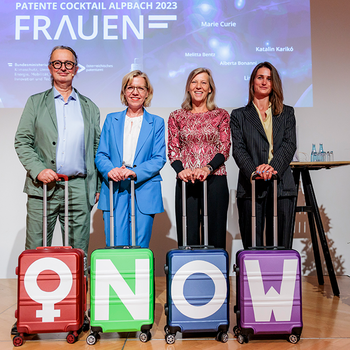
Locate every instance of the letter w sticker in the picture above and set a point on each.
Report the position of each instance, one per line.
(263, 304)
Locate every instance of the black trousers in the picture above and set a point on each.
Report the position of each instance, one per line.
(218, 197)
(264, 210)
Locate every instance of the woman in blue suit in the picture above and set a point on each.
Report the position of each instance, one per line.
(132, 143)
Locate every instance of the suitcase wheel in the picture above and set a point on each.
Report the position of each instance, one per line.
(91, 339)
(170, 338)
(236, 331)
(242, 339)
(166, 329)
(144, 337)
(86, 324)
(18, 340)
(71, 338)
(222, 336)
(293, 338)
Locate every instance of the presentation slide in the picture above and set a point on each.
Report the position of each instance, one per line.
(165, 39)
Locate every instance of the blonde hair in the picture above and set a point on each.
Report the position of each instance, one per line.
(127, 79)
(187, 103)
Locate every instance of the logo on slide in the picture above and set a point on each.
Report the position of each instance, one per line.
(280, 303)
(112, 25)
(178, 286)
(111, 287)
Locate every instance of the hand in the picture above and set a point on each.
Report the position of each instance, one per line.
(120, 174)
(200, 174)
(116, 174)
(47, 175)
(185, 175)
(265, 172)
(127, 173)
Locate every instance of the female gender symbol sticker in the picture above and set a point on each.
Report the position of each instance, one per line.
(48, 299)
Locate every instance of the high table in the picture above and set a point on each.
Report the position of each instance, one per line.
(303, 169)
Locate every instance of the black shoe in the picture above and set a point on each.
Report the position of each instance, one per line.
(14, 329)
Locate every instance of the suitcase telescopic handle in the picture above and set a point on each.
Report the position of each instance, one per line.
(184, 214)
(65, 179)
(111, 212)
(275, 231)
(205, 213)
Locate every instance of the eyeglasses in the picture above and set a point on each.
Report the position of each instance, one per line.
(140, 89)
(58, 64)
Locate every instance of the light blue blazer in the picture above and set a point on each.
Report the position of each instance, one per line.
(149, 160)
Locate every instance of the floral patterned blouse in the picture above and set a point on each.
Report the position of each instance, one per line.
(195, 138)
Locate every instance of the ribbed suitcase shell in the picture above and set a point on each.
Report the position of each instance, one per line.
(199, 290)
(122, 264)
(272, 271)
(72, 307)
(202, 274)
(60, 301)
(271, 264)
(120, 319)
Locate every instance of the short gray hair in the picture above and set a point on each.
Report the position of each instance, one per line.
(62, 47)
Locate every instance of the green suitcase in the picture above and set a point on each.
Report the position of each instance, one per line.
(122, 286)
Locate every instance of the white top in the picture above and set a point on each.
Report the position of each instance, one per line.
(132, 129)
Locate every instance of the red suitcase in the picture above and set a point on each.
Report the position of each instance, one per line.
(51, 293)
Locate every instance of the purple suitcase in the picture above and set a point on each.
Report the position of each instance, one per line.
(268, 281)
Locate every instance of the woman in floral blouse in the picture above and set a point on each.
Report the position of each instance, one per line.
(199, 144)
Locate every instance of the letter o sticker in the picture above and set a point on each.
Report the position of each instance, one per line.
(177, 288)
(56, 265)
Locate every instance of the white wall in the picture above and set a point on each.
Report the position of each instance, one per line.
(326, 122)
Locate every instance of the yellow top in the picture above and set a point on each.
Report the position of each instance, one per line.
(267, 124)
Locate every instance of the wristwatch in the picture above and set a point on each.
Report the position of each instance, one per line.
(210, 168)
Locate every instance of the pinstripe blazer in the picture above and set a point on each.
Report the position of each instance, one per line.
(250, 148)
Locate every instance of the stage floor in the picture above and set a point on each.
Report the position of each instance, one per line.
(326, 324)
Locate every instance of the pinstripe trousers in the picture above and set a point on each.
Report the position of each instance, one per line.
(264, 215)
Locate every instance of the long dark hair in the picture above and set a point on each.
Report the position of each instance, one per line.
(276, 95)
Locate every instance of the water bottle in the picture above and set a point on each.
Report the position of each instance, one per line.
(322, 154)
(313, 153)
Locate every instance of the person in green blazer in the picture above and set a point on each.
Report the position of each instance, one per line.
(59, 133)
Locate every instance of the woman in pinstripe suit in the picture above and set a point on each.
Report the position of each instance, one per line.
(264, 142)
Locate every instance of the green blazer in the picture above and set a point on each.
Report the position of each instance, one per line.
(36, 140)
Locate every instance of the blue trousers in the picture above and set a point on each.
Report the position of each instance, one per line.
(122, 221)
